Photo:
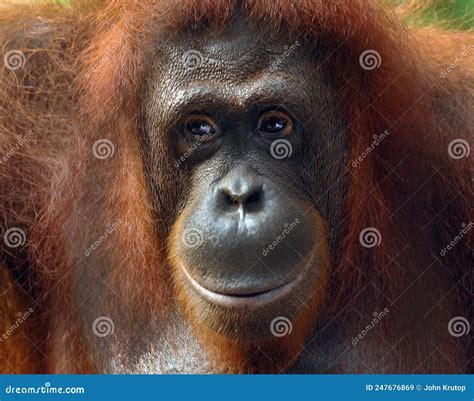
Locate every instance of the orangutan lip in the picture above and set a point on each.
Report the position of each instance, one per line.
(250, 300)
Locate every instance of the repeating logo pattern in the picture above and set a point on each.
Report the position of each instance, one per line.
(192, 59)
(281, 149)
(370, 60)
(14, 237)
(281, 326)
(370, 237)
(459, 326)
(103, 326)
(14, 60)
(459, 149)
(103, 149)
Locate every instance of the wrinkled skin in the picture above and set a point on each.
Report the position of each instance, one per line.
(238, 198)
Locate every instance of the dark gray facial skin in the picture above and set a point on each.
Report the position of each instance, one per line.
(233, 78)
(240, 73)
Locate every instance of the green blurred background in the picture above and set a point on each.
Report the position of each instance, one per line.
(458, 14)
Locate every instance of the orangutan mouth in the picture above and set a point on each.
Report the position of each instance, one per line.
(248, 300)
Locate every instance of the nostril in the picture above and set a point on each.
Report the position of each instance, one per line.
(232, 201)
(226, 201)
(254, 198)
(240, 190)
(229, 199)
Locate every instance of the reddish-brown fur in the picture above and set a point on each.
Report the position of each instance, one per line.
(275, 354)
(81, 83)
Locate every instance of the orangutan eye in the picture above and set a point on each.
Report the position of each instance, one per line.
(200, 127)
(275, 124)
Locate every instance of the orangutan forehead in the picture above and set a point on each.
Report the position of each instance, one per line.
(239, 67)
(241, 45)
